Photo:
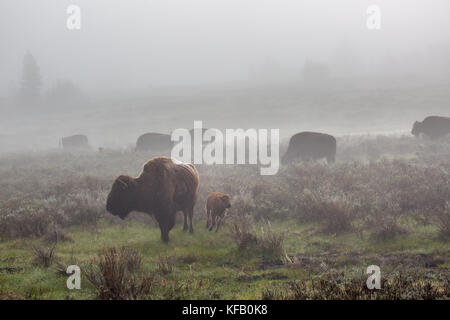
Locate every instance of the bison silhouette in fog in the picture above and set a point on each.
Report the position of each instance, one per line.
(433, 127)
(78, 141)
(216, 204)
(305, 146)
(156, 142)
(164, 187)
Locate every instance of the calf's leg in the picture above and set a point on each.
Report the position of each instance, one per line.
(213, 221)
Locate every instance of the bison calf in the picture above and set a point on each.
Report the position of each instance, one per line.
(216, 204)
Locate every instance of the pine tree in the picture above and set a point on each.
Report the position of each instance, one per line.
(30, 88)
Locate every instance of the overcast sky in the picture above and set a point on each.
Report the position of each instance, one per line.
(142, 43)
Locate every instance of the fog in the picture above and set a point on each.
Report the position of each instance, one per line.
(140, 66)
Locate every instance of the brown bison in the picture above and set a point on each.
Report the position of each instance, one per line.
(156, 142)
(78, 141)
(433, 127)
(216, 204)
(164, 187)
(305, 146)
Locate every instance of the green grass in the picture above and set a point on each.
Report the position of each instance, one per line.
(208, 265)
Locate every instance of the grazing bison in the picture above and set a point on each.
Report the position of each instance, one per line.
(78, 141)
(216, 204)
(164, 187)
(156, 142)
(306, 146)
(433, 127)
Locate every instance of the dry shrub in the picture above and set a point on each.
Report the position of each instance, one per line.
(384, 220)
(243, 202)
(57, 234)
(43, 256)
(242, 231)
(35, 218)
(117, 275)
(270, 241)
(335, 215)
(387, 228)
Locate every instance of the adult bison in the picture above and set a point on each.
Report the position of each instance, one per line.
(433, 127)
(306, 146)
(164, 187)
(78, 141)
(156, 142)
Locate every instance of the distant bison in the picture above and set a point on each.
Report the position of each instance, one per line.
(433, 127)
(306, 146)
(78, 141)
(216, 204)
(164, 187)
(156, 142)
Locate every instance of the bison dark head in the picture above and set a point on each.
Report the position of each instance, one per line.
(122, 197)
(417, 128)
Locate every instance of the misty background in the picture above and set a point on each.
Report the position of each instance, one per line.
(153, 66)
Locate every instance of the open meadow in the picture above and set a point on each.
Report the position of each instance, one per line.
(308, 232)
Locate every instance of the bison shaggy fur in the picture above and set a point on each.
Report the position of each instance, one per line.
(164, 187)
(216, 204)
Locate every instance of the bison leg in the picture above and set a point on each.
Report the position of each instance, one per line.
(166, 223)
(213, 221)
(164, 232)
(219, 223)
(185, 224)
(191, 215)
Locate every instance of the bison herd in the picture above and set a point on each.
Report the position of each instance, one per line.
(302, 146)
(167, 186)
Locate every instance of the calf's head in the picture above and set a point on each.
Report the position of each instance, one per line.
(226, 200)
(122, 197)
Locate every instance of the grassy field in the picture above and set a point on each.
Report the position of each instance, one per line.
(309, 232)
